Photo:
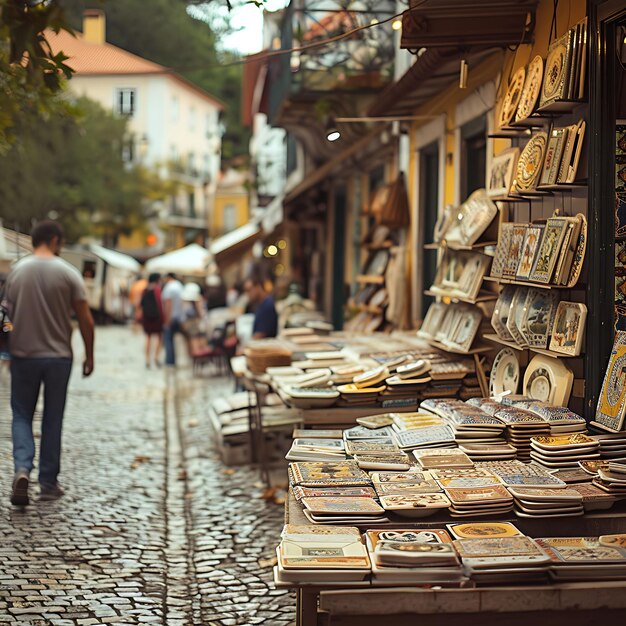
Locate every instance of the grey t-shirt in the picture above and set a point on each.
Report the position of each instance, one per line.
(40, 292)
(173, 291)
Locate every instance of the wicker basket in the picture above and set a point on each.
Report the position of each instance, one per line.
(261, 356)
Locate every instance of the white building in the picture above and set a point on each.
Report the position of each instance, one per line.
(175, 126)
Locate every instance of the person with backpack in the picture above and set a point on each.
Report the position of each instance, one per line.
(151, 312)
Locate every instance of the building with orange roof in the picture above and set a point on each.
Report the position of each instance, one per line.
(174, 125)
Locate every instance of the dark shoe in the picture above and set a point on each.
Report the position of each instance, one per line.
(50, 492)
(19, 494)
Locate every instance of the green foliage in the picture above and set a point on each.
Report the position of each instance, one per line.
(167, 34)
(30, 73)
(70, 167)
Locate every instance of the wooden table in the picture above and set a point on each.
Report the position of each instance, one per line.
(365, 603)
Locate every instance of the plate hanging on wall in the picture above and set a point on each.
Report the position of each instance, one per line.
(505, 373)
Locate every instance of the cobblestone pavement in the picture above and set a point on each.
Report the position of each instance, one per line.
(153, 529)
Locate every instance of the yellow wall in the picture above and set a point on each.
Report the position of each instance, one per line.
(223, 199)
(499, 68)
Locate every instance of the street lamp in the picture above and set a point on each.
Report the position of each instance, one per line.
(332, 132)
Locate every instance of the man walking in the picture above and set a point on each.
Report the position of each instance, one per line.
(265, 316)
(173, 313)
(42, 291)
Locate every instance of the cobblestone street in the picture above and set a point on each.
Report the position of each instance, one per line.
(153, 529)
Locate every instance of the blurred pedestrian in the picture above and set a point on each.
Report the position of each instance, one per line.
(136, 291)
(172, 298)
(261, 298)
(192, 310)
(151, 317)
(42, 291)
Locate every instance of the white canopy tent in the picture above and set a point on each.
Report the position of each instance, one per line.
(116, 259)
(192, 260)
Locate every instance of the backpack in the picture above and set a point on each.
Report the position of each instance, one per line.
(149, 305)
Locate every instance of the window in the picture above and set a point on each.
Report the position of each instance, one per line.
(174, 109)
(230, 217)
(192, 118)
(473, 156)
(191, 203)
(128, 150)
(191, 164)
(206, 166)
(429, 207)
(126, 101)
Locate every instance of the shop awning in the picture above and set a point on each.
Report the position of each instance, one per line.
(192, 260)
(434, 70)
(116, 259)
(241, 237)
(465, 23)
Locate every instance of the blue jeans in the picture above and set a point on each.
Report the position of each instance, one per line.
(27, 375)
(169, 333)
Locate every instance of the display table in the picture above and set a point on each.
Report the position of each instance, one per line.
(365, 603)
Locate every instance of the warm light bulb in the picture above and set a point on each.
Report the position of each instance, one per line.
(333, 136)
(272, 250)
(396, 24)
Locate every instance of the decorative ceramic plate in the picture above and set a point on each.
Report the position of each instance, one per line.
(516, 313)
(569, 328)
(502, 249)
(548, 379)
(579, 256)
(379, 298)
(373, 324)
(377, 263)
(512, 98)
(501, 313)
(444, 221)
(530, 162)
(504, 373)
(556, 68)
(531, 90)
(539, 313)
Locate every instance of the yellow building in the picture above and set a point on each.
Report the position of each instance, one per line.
(232, 206)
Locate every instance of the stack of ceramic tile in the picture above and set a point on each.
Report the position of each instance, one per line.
(564, 451)
(503, 560)
(612, 446)
(547, 503)
(381, 453)
(441, 406)
(486, 405)
(328, 474)
(409, 380)
(560, 419)
(414, 557)
(439, 436)
(594, 498)
(612, 479)
(521, 426)
(308, 554)
(316, 449)
(413, 421)
(442, 458)
(479, 501)
(514, 473)
(586, 558)
(409, 494)
(364, 388)
(344, 374)
(488, 451)
(375, 448)
(341, 509)
(471, 425)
